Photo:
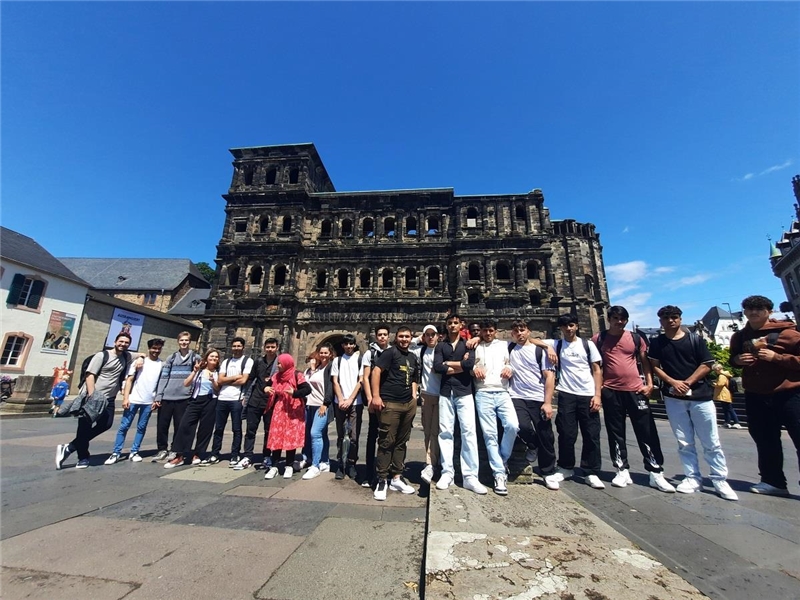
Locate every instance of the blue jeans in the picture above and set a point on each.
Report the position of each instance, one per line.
(493, 405)
(234, 409)
(144, 411)
(320, 444)
(697, 417)
(464, 407)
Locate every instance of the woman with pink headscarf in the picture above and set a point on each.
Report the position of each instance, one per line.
(287, 431)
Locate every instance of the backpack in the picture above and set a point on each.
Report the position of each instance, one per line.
(733, 386)
(539, 358)
(559, 344)
(360, 360)
(106, 357)
(637, 342)
(247, 387)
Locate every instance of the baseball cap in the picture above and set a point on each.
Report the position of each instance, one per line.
(431, 327)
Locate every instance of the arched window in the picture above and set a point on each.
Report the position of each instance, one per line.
(322, 279)
(472, 217)
(388, 226)
(535, 298)
(433, 226)
(294, 175)
(519, 212)
(255, 275)
(263, 225)
(502, 272)
(326, 229)
(272, 176)
(411, 226)
(589, 285)
(411, 278)
(280, 275)
(532, 270)
(368, 228)
(474, 272)
(233, 275)
(343, 278)
(365, 279)
(474, 298)
(434, 277)
(347, 228)
(388, 278)
(287, 224)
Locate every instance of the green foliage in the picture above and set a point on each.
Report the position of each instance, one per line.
(722, 355)
(207, 271)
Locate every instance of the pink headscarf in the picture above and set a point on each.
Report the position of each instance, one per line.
(285, 380)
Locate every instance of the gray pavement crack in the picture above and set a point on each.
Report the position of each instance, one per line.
(170, 553)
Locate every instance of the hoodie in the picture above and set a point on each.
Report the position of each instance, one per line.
(778, 375)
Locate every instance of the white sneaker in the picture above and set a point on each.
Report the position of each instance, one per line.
(398, 484)
(551, 481)
(767, 489)
(324, 467)
(311, 473)
(472, 484)
(242, 464)
(593, 481)
(688, 486)
(724, 490)
(563, 474)
(112, 459)
(135, 457)
(500, 487)
(658, 481)
(271, 473)
(288, 472)
(427, 474)
(62, 452)
(380, 490)
(622, 478)
(444, 481)
(736, 426)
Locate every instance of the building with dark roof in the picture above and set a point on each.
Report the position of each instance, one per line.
(300, 261)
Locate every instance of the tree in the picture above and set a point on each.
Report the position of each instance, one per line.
(207, 271)
(722, 355)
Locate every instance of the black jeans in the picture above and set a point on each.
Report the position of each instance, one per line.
(616, 406)
(224, 410)
(353, 414)
(372, 442)
(766, 413)
(573, 412)
(199, 418)
(256, 416)
(170, 411)
(87, 430)
(536, 432)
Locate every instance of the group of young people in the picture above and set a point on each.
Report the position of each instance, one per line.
(470, 378)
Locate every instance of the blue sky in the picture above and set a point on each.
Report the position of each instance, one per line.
(674, 127)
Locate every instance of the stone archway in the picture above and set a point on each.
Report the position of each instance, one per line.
(335, 340)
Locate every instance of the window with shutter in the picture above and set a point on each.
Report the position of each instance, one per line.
(26, 291)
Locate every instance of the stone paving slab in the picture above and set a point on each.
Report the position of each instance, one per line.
(535, 543)
(326, 488)
(166, 560)
(215, 474)
(42, 585)
(346, 559)
(252, 491)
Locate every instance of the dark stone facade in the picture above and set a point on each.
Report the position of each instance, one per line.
(304, 263)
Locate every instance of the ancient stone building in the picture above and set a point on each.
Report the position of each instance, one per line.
(302, 262)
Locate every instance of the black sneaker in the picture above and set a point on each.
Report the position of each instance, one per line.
(339, 474)
(351, 472)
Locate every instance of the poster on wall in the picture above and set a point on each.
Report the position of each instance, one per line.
(59, 333)
(128, 322)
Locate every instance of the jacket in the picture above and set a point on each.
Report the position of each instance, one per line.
(778, 375)
(90, 407)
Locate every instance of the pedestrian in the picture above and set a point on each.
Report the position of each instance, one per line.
(430, 384)
(286, 391)
(349, 406)
(258, 410)
(58, 393)
(769, 353)
(682, 361)
(318, 412)
(722, 394)
(376, 348)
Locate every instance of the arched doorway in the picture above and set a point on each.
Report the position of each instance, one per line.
(334, 340)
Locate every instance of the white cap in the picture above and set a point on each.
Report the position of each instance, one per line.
(429, 326)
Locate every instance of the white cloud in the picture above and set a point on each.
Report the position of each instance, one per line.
(693, 280)
(768, 170)
(629, 272)
(641, 313)
(662, 270)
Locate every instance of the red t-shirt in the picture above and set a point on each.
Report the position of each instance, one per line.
(620, 371)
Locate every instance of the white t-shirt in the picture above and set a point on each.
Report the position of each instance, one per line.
(231, 367)
(526, 383)
(493, 358)
(349, 374)
(431, 381)
(576, 372)
(316, 379)
(144, 386)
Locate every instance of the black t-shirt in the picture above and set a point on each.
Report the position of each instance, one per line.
(680, 358)
(399, 370)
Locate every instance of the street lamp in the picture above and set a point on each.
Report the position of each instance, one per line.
(734, 326)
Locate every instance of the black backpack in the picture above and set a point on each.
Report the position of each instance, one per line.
(106, 357)
(539, 357)
(559, 344)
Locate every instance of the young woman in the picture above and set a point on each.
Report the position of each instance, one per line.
(286, 391)
(317, 413)
(200, 413)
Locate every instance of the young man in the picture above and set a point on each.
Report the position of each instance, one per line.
(682, 362)
(626, 394)
(430, 384)
(531, 387)
(233, 375)
(769, 352)
(172, 397)
(453, 362)
(138, 396)
(104, 375)
(474, 330)
(346, 375)
(579, 382)
(394, 392)
(491, 373)
(256, 409)
(376, 348)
